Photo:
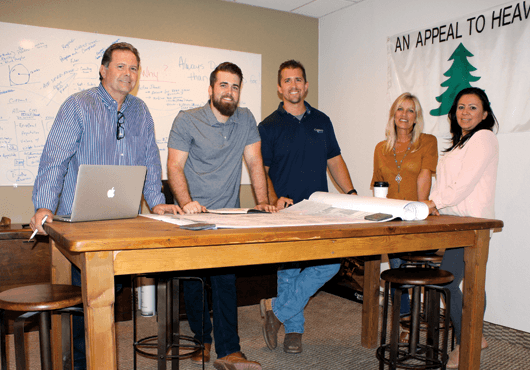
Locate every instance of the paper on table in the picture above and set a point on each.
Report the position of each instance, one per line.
(234, 211)
(261, 220)
(407, 210)
(310, 208)
(229, 211)
(321, 209)
(172, 219)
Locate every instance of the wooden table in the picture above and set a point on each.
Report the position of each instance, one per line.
(107, 248)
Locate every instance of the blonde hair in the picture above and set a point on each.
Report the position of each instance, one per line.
(417, 129)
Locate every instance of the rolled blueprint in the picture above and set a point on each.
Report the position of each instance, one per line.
(405, 209)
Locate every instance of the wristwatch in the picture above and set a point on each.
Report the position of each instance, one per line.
(352, 191)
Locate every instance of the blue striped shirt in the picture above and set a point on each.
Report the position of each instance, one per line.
(84, 132)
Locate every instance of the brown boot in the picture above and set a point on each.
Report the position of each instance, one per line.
(236, 361)
(292, 343)
(271, 324)
(197, 356)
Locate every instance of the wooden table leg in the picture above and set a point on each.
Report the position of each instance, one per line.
(61, 273)
(475, 259)
(372, 271)
(97, 276)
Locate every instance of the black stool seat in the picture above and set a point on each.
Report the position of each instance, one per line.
(41, 300)
(423, 257)
(417, 276)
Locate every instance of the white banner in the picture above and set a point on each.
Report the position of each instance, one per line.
(489, 50)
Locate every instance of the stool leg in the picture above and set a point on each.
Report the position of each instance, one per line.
(436, 320)
(202, 316)
(162, 323)
(18, 328)
(45, 341)
(175, 323)
(3, 330)
(66, 334)
(66, 341)
(445, 356)
(394, 333)
(415, 319)
(432, 312)
(135, 342)
(384, 325)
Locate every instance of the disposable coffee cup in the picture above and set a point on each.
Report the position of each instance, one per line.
(380, 189)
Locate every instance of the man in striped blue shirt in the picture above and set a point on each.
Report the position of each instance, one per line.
(104, 125)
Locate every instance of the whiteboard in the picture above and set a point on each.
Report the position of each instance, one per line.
(40, 67)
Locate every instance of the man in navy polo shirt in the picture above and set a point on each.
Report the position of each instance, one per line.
(298, 145)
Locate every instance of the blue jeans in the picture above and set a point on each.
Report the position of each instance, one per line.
(295, 287)
(404, 309)
(224, 305)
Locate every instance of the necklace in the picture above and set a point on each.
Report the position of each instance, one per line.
(398, 176)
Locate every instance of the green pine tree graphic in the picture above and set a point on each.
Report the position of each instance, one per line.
(459, 78)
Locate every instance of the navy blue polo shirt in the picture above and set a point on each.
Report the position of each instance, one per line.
(297, 152)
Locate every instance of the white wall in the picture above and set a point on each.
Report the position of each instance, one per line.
(352, 91)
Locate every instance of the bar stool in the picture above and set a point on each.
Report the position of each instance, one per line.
(42, 300)
(416, 354)
(168, 340)
(427, 260)
(422, 259)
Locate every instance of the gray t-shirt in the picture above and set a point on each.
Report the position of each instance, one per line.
(215, 152)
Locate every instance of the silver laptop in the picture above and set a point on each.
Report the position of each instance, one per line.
(106, 193)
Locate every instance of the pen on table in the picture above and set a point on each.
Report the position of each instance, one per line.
(36, 231)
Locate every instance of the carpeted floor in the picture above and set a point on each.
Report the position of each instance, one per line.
(331, 341)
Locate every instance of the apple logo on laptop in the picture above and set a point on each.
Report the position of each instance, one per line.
(110, 193)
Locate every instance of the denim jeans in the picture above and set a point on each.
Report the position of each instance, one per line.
(224, 305)
(295, 287)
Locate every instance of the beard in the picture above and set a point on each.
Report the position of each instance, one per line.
(225, 108)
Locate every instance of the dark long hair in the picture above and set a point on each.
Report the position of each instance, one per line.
(487, 124)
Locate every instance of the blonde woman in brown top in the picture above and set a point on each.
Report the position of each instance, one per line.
(406, 160)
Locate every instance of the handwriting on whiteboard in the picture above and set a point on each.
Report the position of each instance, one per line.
(41, 67)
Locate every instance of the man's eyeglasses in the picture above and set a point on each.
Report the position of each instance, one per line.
(120, 131)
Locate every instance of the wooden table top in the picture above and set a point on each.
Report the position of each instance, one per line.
(145, 233)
